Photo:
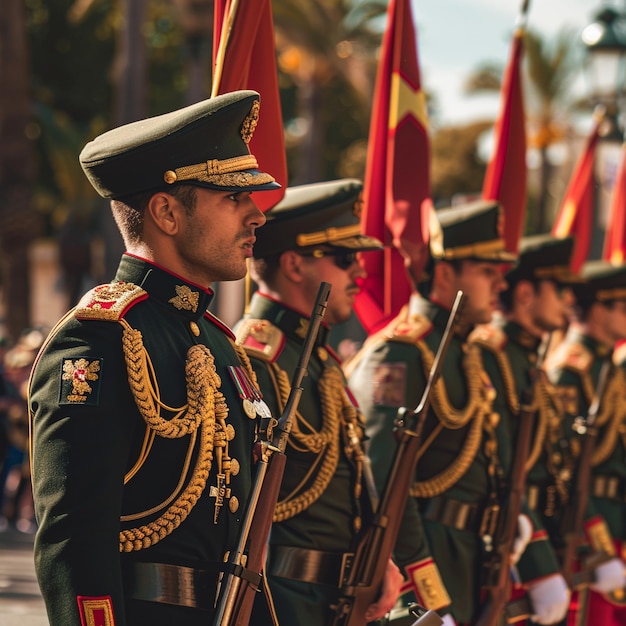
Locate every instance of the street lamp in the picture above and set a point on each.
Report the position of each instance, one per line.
(605, 41)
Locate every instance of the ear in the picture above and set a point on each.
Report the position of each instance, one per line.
(443, 273)
(524, 292)
(162, 210)
(291, 264)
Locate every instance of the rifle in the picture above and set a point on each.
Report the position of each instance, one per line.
(574, 516)
(498, 570)
(241, 578)
(363, 581)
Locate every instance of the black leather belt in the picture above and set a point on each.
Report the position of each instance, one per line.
(310, 566)
(172, 584)
(453, 513)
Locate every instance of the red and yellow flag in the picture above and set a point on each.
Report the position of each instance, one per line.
(397, 176)
(575, 217)
(505, 179)
(244, 57)
(615, 238)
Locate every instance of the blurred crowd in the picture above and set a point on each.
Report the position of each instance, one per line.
(16, 500)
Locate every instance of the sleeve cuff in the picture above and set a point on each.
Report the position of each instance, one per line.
(425, 582)
(599, 536)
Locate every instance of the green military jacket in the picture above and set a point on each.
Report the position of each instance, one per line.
(509, 357)
(323, 502)
(575, 370)
(457, 462)
(136, 422)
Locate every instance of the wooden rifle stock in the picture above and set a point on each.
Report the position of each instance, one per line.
(574, 515)
(364, 578)
(240, 580)
(498, 584)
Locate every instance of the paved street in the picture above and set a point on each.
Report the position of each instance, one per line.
(20, 600)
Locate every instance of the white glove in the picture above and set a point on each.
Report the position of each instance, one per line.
(448, 620)
(549, 598)
(524, 535)
(609, 576)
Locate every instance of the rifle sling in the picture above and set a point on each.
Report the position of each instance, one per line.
(310, 566)
(182, 586)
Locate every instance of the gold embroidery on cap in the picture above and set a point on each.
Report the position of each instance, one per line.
(185, 299)
(79, 372)
(249, 124)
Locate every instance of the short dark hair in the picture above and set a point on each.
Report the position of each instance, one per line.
(129, 211)
(266, 269)
(426, 286)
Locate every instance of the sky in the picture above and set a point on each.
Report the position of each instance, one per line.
(454, 37)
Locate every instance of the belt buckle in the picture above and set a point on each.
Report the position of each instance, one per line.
(347, 561)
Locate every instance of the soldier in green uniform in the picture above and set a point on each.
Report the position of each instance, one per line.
(141, 448)
(575, 369)
(313, 235)
(460, 476)
(537, 302)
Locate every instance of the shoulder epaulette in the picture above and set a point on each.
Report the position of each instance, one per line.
(572, 356)
(490, 337)
(409, 329)
(109, 302)
(261, 339)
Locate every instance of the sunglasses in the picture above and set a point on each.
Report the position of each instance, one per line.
(342, 259)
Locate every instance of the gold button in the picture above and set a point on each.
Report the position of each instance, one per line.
(195, 329)
(233, 504)
(357, 524)
(230, 432)
(170, 177)
(234, 467)
(322, 353)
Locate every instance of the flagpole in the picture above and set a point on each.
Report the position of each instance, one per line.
(227, 27)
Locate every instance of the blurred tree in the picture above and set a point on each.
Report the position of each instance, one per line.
(456, 165)
(549, 65)
(327, 53)
(18, 221)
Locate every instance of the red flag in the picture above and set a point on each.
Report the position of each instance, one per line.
(505, 179)
(576, 214)
(615, 238)
(397, 176)
(249, 62)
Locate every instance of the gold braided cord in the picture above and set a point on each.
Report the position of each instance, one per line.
(545, 412)
(477, 400)
(205, 406)
(138, 365)
(444, 480)
(477, 409)
(504, 366)
(135, 516)
(324, 443)
(613, 406)
(245, 361)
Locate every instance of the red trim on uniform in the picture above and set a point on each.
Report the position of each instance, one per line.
(596, 519)
(539, 535)
(216, 321)
(307, 315)
(207, 290)
(96, 611)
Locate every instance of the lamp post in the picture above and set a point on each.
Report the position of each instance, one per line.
(605, 43)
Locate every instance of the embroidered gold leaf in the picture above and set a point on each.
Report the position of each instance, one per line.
(185, 299)
(79, 372)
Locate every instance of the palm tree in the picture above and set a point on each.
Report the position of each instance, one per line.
(328, 49)
(549, 65)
